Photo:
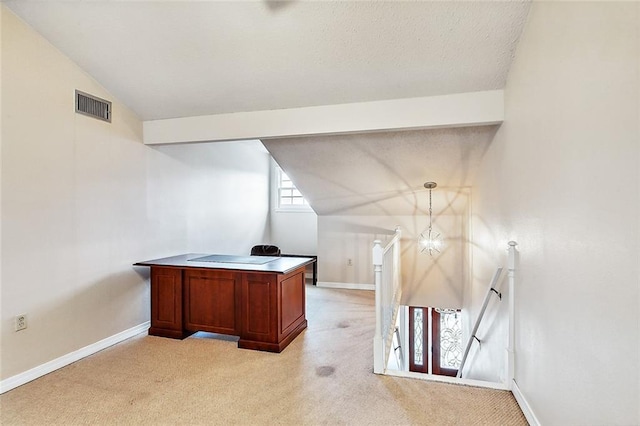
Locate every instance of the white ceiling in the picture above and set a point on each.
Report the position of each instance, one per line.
(167, 59)
(384, 173)
(170, 59)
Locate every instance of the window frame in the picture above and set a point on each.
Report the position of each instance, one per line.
(277, 188)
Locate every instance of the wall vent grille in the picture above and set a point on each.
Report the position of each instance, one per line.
(93, 106)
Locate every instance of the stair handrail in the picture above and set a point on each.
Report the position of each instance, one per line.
(472, 336)
(387, 280)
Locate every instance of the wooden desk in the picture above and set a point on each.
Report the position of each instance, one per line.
(259, 298)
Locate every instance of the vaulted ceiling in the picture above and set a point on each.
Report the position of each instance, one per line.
(169, 59)
(383, 173)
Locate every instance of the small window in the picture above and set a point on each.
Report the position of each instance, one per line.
(289, 197)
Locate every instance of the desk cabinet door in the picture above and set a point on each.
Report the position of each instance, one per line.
(166, 302)
(212, 301)
(291, 301)
(259, 307)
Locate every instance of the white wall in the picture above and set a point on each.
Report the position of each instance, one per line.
(224, 194)
(562, 179)
(295, 232)
(82, 200)
(427, 281)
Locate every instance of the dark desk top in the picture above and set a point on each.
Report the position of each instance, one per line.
(280, 265)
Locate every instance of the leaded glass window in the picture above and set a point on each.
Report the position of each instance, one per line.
(450, 339)
(418, 336)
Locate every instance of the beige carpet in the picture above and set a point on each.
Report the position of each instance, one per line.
(324, 377)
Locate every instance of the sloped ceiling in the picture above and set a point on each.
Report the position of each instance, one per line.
(167, 59)
(384, 173)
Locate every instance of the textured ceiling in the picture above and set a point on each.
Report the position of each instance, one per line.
(383, 173)
(168, 59)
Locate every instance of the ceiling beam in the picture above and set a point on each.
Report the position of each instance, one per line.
(459, 110)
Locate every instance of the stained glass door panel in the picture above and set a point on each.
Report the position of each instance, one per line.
(418, 344)
(447, 341)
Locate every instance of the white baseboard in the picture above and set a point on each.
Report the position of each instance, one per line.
(524, 405)
(348, 286)
(48, 367)
(446, 379)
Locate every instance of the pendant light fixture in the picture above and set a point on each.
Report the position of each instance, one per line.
(430, 241)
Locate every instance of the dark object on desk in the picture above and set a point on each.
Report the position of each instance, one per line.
(265, 250)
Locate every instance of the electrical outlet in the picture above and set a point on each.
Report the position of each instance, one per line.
(349, 262)
(21, 322)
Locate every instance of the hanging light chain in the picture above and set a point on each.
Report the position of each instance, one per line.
(430, 186)
(430, 211)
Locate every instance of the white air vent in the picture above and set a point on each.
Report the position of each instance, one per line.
(93, 106)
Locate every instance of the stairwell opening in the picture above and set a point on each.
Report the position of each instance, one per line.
(428, 340)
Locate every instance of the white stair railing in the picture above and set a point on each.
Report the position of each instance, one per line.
(493, 288)
(511, 273)
(387, 279)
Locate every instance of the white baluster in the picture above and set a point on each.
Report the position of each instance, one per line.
(511, 267)
(378, 345)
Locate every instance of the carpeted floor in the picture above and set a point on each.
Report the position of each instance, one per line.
(324, 377)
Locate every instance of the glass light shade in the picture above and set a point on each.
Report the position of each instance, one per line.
(430, 241)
